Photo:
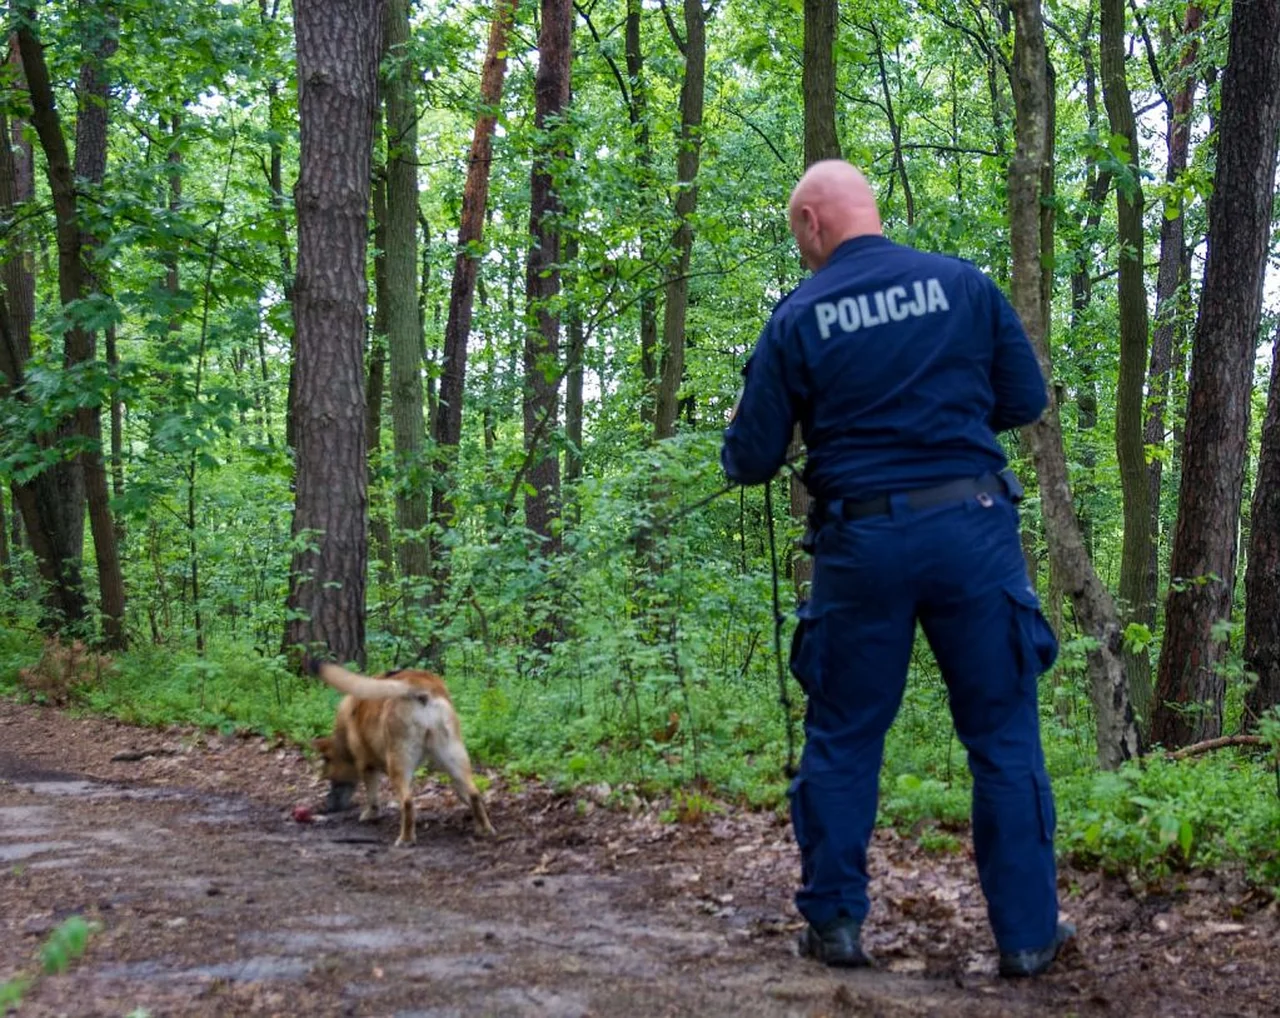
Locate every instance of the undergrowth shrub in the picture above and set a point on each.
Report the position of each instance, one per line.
(64, 671)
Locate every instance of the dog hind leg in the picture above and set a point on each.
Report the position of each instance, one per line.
(401, 776)
(450, 755)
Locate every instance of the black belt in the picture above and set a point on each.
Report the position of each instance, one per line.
(1004, 483)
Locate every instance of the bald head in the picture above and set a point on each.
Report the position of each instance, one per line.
(832, 203)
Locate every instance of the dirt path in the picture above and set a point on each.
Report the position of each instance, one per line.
(212, 900)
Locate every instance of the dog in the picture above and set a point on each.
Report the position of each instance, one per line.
(390, 723)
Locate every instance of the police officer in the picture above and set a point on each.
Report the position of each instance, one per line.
(900, 367)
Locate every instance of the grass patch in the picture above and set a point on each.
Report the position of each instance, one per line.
(699, 740)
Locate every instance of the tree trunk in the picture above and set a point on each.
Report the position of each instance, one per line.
(466, 267)
(1169, 282)
(1095, 612)
(1262, 575)
(821, 141)
(542, 277)
(895, 127)
(688, 156)
(1137, 546)
(275, 183)
(404, 324)
(637, 97)
(379, 529)
(818, 80)
(6, 561)
(338, 43)
(1203, 562)
(73, 282)
(573, 406)
(51, 502)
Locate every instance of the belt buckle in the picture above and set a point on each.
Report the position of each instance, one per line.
(985, 500)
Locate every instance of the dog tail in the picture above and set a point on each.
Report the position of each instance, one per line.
(362, 687)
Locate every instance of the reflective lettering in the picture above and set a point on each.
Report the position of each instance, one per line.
(894, 304)
(918, 305)
(849, 320)
(937, 297)
(891, 297)
(826, 314)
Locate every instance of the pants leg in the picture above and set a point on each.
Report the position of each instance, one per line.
(991, 647)
(850, 655)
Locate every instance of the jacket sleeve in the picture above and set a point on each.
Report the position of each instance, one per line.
(1019, 388)
(755, 443)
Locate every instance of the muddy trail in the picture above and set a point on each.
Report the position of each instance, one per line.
(210, 899)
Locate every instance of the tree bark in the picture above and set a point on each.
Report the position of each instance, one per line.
(1137, 545)
(48, 502)
(1262, 575)
(818, 80)
(338, 43)
(404, 324)
(637, 98)
(379, 529)
(1169, 282)
(821, 141)
(1117, 734)
(73, 282)
(6, 561)
(542, 276)
(1202, 566)
(688, 157)
(466, 267)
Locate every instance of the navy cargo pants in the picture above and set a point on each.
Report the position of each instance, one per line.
(958, 569)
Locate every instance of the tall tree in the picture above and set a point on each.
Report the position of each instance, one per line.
(74, 281)
(338, 44)
(43, 501)
(466, 266)
(542, 275)
(1136, 550)
(375, 385)
(404, 324)
(574, 358)
(1202, 566)
(1262, 576)
(637, 98)
(1170, 278)
(821, 141)
(1095, 612)
(688, 156)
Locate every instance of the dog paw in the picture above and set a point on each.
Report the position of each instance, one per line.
(402, 843)
(368, 815)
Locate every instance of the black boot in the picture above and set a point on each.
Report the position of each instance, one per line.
(1018, 964)
(837, 943)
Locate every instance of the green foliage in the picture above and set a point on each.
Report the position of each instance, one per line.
(66, 944)
(659, 677)
(1157, 818)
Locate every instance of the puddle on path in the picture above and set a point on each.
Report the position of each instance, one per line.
(27, 849)
(259, 969)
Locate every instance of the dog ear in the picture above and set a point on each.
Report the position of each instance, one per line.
(324, 746)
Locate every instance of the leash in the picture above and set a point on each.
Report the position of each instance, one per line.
(784, 697)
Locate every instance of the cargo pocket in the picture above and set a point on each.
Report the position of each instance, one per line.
(1045, 807)
(1034, 643)
(806, 650)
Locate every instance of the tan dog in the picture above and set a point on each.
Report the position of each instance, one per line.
(391, 723)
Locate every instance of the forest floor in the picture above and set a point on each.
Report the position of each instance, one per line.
(210, 899)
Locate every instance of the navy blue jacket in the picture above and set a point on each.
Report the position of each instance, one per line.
(900, 367)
